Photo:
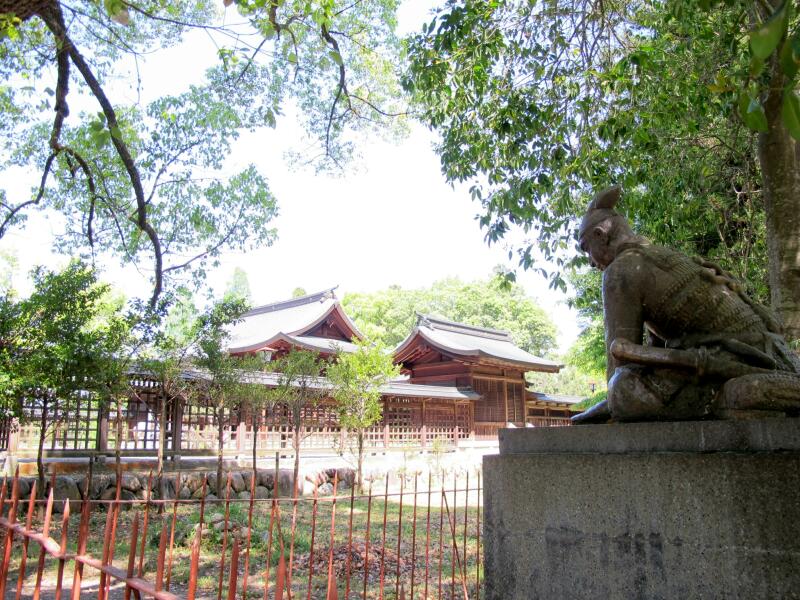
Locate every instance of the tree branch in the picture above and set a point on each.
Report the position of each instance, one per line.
(55, 22)
(222, 241)
(341, 88)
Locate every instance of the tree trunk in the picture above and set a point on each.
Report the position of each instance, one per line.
(118, 449)
(220, 429)
(256, 425)
(780, 167)
(297, 422)
(360, 465)
(39, 459)
(162, 441)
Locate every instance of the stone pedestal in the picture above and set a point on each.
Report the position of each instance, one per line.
(645, 510)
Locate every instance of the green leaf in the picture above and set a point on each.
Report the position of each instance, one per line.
(790, 112)
(765, 38)
(752, 113)
(337, 58)
(790, 55)
(756, 66)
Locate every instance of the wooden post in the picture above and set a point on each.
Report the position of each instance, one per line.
(13, 445)
(505, 394)
(241, 431)
(424, 435)
(471, 417)
(455, 423)
(177, 430)
(386, 435)
(102, 431)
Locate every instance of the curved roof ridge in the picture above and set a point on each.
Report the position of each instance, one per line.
(445, 325)
(325, 294)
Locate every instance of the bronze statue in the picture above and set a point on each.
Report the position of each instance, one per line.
(711, 351)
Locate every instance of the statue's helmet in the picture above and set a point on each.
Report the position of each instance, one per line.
(600, 208)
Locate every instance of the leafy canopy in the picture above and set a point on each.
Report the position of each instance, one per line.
(356, 378)
(223, 381)
(390, 315)
(149, 182)
(298, 378)
(539, 104)
(67, 338)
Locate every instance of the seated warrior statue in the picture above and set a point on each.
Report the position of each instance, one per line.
(711, 351)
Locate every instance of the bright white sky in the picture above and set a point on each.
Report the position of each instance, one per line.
(390, 220)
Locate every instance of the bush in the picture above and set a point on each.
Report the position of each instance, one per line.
(589, 402)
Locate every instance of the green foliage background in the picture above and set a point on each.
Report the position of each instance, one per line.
(388, 316)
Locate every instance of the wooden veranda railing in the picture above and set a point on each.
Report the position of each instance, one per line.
(238, 441)
(421, 541)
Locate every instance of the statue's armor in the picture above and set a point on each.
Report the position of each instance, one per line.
(694, 305)
(692, 302)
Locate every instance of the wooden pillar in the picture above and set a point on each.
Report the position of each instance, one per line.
(177, 429)
(12, 445)
(424, 429)
(241, 430)
(505, 395)
(472, 419)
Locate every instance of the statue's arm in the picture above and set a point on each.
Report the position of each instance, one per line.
(622, 305)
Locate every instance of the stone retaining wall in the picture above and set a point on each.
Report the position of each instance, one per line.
(188, 485)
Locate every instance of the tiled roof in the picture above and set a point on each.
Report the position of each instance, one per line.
(309, 342)
(289, 317)
(468, 340)
(554, 398)
(392, 388)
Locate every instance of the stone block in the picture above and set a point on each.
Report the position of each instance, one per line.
(266, 479)
(131, 482)
(645, 510)
(237, 482)
(66, 489)
(125, 495)
(194, 481)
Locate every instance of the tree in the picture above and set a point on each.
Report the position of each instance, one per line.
(299, 387)
(260, 400)
(588, 353)
(9, 264)
(167, 358)
(222, 382)
(357, 378)
(569, 381)
(60, 347)
(389, 315)
(539, 104)
(238, 286)
(148, 182)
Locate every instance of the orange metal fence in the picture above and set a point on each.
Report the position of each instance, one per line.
(421, 541)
